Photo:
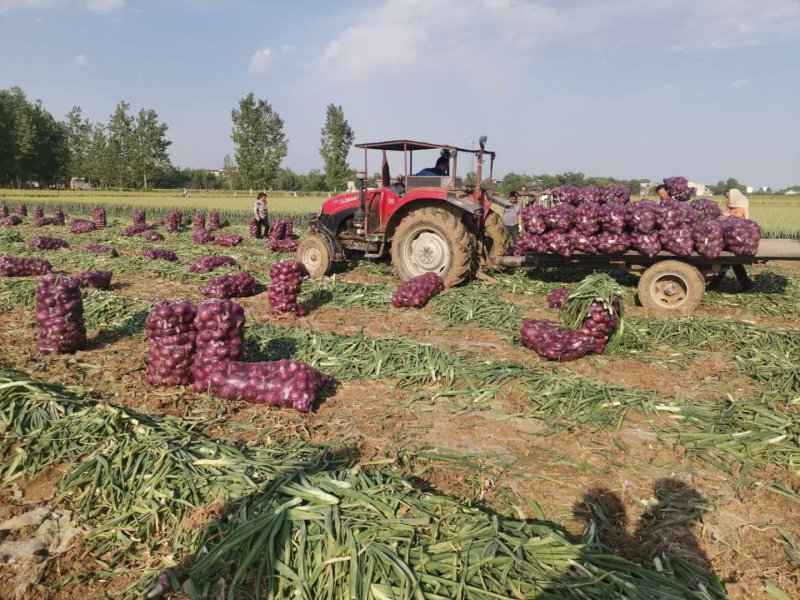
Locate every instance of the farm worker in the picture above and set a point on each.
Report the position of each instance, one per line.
(511, 216)
(261, 215)
(441, 169)
(738, 206)
(662, 192)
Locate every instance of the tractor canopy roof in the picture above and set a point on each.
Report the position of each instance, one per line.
(402, 145)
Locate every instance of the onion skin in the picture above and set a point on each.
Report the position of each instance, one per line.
(417, 291)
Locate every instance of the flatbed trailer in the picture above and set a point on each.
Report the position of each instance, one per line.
(668, 283)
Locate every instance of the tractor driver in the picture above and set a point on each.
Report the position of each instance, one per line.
(442, 169)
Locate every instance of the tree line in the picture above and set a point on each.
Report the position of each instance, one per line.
(130, 151)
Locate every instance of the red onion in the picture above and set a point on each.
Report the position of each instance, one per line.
(612, 218)
(213, 220)
(59, 315)
(10, 221)
(615, 193)
(171, 339)
(708, 239)
(220, 338)
(566, 194)
(202, 235)
(22, 210)
(558, 242)
(200, 220)
(286, 278)
(648, 244)
(533, 219)
(173, 221)
(417, 291)
(159, 254)
(99, 217)
(532, 243)
(228, 240)
(678, 188)
(59, 218)
(678, 240)
(47, 243)
(3, 211)
(100, 249)
(741, 236)
(705, 210)
(139, 216)
(283, 383)
(587, 218)
(554, 342)
(589, 193)
(152, 235)
(210, 263)
(280, 236)
(253, 227)
(134, 228)
(557, 297)
(580, 242)
(611, 243)
(230, 286)
(559, 218)
(15, 266)
(671, 214)
(642, 216)
(78, 226)
(100, 280)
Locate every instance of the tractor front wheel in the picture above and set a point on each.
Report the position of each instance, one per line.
(433, 240)
(314, 253)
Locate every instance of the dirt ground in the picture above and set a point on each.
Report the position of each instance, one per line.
(654, 495)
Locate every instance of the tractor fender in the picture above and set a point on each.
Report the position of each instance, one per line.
(323, 228)
(465, 208)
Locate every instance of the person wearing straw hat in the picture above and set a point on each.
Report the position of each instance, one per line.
(738, 206)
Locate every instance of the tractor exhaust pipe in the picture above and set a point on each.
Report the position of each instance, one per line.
(359, 216)
(479, 169)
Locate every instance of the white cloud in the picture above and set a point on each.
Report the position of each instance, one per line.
(80, 61)
(740, 83)
(260, 61)
(103, 5)
(287, 48)
(496, 36)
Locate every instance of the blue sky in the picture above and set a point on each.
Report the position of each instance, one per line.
(631, 88)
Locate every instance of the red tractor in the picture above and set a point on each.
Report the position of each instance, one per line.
(427, 222)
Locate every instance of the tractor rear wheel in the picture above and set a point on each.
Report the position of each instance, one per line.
(314, 253)
(433, 240)
(495, 241)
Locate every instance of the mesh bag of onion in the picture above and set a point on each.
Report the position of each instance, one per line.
(16, 266)
(152, 235)
(59, 218)
(283, 383)
(59, 315)
(22, 210)
(99, 217)
(200, 220)
(211, 263)
(202, 235)
(253, 226)
(173, 221)
(78, 226)
(228, 240)
(139, 216)
(286, 281)
(557, 297)
(10, 221)
(159, 254)
(220, 338)
(134, 228)
(240, 285)
(47, 243)
(170, 342)
(708, 240)
(554, 342)
(100, 249)
(3, 211)
(741, 236)
(417, 291)
(213, 220)
(595, 308)
(99, 280)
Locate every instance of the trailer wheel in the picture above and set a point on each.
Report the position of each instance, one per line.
(671, 287)
(314, 253)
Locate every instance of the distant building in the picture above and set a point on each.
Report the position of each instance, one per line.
(216, 172)
(78, 183)
(792, 192)
(701, 189)
(749, 189)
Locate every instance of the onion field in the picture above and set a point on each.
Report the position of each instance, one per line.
(442, 460)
